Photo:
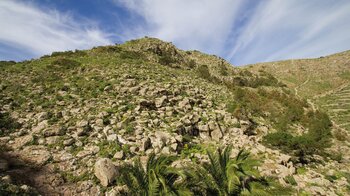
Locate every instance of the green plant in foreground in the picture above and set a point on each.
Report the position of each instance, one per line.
(158, 178)
(221, 176)
(225, 176)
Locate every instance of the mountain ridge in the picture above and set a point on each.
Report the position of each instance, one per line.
(69, 113)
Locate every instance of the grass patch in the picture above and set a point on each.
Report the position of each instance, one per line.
(108, 149)
(7, 124)
(64, 63)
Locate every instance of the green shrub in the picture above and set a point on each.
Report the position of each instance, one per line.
(64, 63)
(191, 64)
(107, 49)
(231, 107)
(7, 124)
(331, 178)
(279, 139)
(313, 142)
(6, 63)
(131, 55)
(108, 149)
(60, 54)
(166, 59)
(68, 53)
(203, 72)
(290, 180)
(223, 69)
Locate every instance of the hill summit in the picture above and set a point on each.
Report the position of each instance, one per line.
(93, 121)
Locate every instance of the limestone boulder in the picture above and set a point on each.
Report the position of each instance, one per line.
(105, 171)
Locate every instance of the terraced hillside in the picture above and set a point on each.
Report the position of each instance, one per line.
(147, 118)
(324, 81)
(337, 105)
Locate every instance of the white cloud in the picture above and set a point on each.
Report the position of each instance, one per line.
(38, 31)
(195, 24)
(293, 29)
(245, 31)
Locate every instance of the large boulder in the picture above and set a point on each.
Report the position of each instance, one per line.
(216, 134)
(37, 154)
(160, 101)
(105, 171)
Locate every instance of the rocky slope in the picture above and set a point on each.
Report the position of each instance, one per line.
(70, 120)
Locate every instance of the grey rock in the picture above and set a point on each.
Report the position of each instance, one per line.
(118, 190)
(216, 134)
(166, 150)
(82, 123)
(203, 128)
(185, 104)
(146, 144)
(6, 179)
(37, 154)
(68, 142)
(134, 149)
(22, 141)
(119, 155)
(42, 116)
(160, 101)
(55, 131)
(105, 171)
(107, 88)
(99, 122)
(112, 137)
(173, 146)
(42, 125)
(52, 140)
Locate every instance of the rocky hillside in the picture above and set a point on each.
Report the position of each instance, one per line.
(76, 122)
(325, 81)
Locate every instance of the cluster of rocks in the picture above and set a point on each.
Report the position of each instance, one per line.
(139, 110)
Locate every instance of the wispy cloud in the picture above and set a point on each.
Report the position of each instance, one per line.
(31, 30)
(242, 31)
(248, 31)
(195, 24)
(293, 29)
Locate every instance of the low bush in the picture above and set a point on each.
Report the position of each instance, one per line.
(166, 59)
(131, 55)
(68, 53)
(315, 141)
(107, 49)
(7, 124)
(64, 63)
(203, 72)
(6, 63)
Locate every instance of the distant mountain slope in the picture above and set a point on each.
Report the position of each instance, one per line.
(325, 81)
(311, 77)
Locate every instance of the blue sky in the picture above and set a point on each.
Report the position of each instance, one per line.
(241, 31)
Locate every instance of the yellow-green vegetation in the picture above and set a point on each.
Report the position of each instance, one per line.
(266, 97)
(313, 142)
(145, 96)
(325, 81)
(337, 105)
(7, 124)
